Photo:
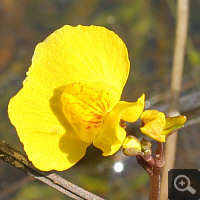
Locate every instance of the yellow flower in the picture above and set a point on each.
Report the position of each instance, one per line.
(70, 97)
(157, 126)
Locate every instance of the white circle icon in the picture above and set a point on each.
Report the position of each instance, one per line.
(182, 183)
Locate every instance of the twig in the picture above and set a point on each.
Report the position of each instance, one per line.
(20, 161)
(155, 178)
(176, 81)
(154, 193)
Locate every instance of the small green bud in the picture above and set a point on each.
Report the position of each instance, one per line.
(146, 146)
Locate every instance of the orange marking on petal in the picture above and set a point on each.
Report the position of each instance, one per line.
(97, 122)
(85, 106)
(102, 107)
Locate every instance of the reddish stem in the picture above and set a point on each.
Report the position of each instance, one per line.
(153, 166)
(154, 193)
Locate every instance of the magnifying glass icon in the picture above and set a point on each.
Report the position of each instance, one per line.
(182, 183)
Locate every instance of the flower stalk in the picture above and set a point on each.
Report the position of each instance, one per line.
(153, 166)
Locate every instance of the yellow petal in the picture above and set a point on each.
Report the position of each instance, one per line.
(112, 135)
(81, 53)
(53, 151)
(48, 139)
(153, 123)
(133, 112)
(86, 104)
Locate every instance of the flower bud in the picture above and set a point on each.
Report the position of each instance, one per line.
(131, 146)
(158, 127)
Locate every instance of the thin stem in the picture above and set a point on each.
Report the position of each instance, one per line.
(154, 193)
(153, 166)
(155, 178)
(20, 161)
(176, 81)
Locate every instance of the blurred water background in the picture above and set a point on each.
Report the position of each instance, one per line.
(148, 29)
